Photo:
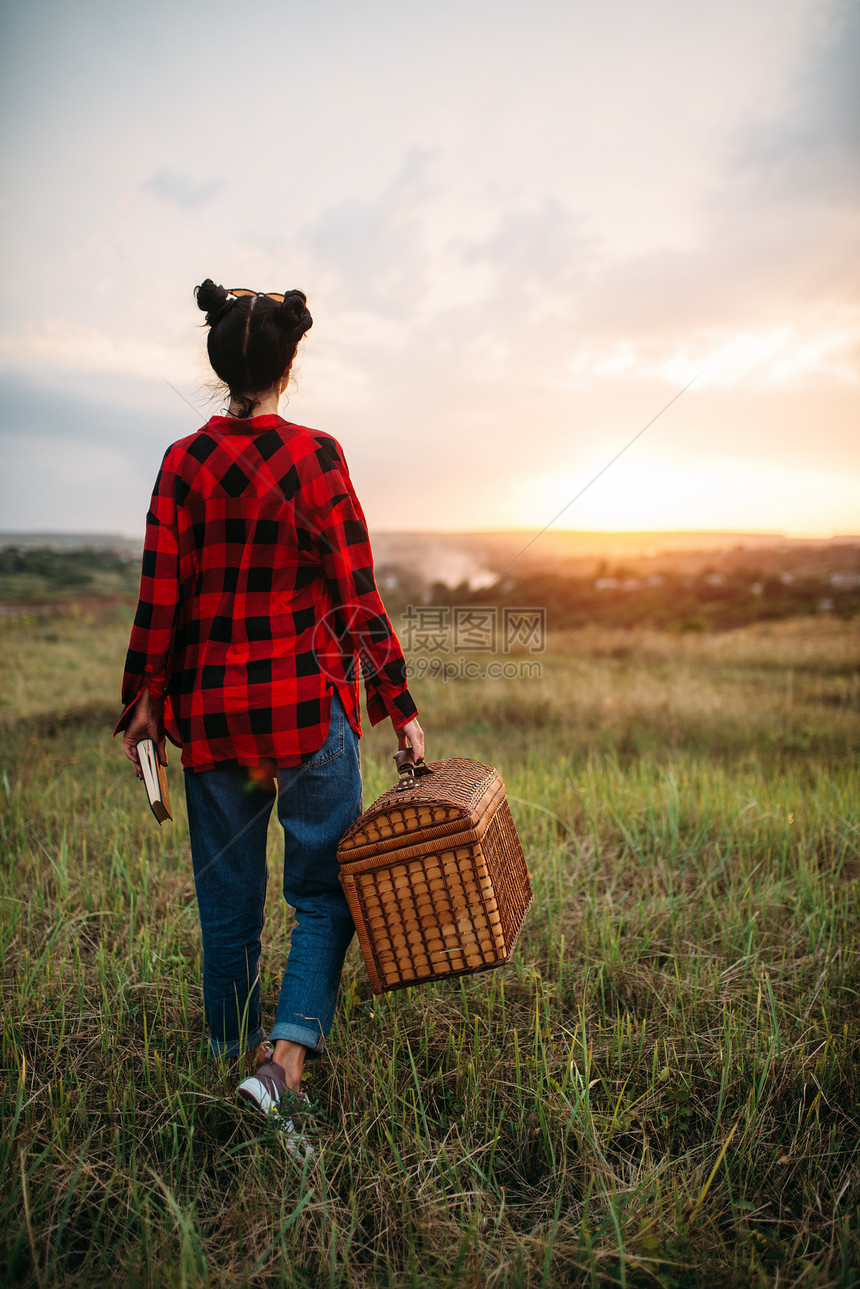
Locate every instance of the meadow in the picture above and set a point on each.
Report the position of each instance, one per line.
(662, 1088)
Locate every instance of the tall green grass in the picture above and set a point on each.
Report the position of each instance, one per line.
(662, 1088)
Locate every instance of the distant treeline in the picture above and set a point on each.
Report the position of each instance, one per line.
(711, 599)
(45, 574)
(714, 601)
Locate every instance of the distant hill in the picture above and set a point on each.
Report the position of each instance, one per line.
(477, 558)
(678, 581)
(73, 541)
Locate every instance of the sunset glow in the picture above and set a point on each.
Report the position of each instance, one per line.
(522, 233)
(743, 495)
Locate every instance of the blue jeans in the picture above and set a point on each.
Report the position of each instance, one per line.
(228, 816)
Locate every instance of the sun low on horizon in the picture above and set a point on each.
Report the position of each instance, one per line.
(708, 496)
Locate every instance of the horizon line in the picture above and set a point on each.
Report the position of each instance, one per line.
(518, 530)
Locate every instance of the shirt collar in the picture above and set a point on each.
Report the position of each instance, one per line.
(245, 424)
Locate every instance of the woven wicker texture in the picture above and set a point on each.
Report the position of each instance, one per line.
(437, 884)
(448, 799)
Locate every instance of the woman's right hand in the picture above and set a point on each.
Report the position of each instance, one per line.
(142, 724)
(412, 735)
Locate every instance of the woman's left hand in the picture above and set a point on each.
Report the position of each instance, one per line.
(412, 735)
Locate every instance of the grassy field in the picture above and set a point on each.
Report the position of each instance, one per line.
(663, 1088)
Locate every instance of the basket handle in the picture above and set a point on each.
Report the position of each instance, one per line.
(408, 769)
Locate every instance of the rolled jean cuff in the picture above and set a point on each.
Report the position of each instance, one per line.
(312, 1039)
(235, 1046)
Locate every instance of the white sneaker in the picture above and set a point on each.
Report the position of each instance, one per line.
(269, 1091)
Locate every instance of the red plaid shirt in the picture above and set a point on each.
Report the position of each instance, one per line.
(257, 597)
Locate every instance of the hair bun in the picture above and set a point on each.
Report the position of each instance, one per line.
(213, 300)
(293, 314)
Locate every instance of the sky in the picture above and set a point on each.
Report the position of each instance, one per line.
(523, 229)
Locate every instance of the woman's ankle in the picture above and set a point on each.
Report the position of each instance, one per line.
(291, 1058)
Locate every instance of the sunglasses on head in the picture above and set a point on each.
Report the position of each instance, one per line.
(243, 290)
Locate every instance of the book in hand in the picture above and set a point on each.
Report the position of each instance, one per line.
(155, 779)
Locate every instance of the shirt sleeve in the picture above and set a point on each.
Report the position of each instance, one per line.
(148, 660)
(362, 625)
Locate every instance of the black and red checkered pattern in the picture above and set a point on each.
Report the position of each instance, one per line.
(257, 596)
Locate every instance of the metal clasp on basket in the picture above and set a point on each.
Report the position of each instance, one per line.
(409, 770)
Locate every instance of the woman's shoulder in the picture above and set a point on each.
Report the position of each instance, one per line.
(321, 451)
(282, 444)
(319, 438)
(198, 445)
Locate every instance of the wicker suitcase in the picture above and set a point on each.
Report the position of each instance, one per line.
(434, 875)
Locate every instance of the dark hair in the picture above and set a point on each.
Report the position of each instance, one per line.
(252, 338)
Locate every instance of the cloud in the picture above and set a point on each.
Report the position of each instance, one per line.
(181, 189)
(64, 342)
(812, 152)
(54, 485)
(137, 416)
(81, 453)
(541, 248)
(375, 248)
(557, 257)
(764, 296)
